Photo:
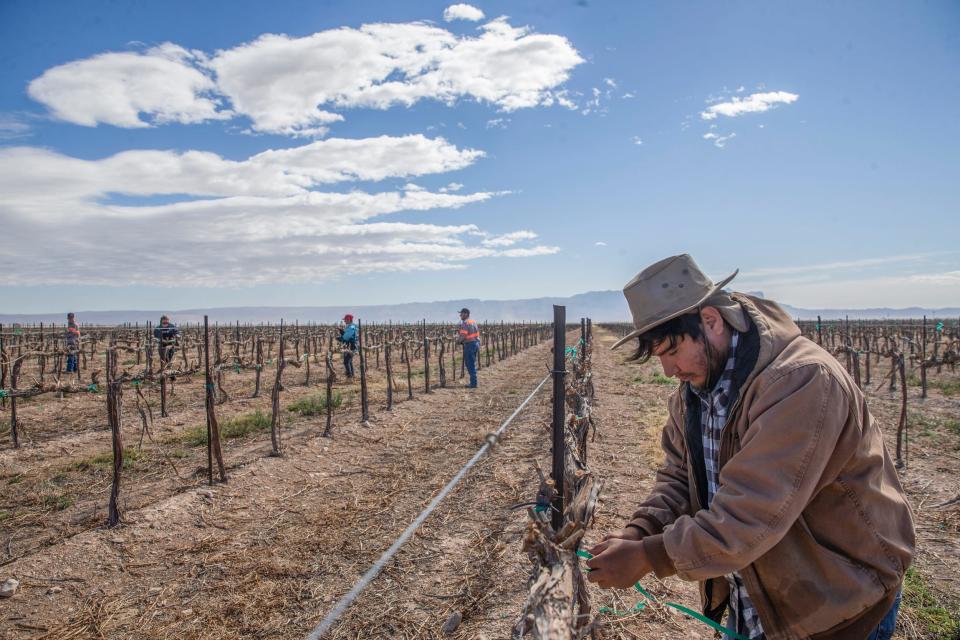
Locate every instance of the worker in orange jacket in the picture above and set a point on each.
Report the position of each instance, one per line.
(468, 334)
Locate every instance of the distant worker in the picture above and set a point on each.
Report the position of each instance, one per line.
(166, 335)
(468, 335)
(348, 338)
(72, 340)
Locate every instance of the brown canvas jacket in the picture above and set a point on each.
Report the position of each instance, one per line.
(809, 510)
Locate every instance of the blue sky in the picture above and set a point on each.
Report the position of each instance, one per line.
(181, 154)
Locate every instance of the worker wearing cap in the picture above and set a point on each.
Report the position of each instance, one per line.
(468, 334)
(348, 338)
(166, 335)
(777, 493)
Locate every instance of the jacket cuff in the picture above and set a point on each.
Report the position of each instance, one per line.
(648, 526)
(657, 556)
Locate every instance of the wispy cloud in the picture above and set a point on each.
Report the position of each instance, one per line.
(754, 103)
(637, 140)
(719, 141)
(509, 239)
(231, 223)
(13, 127)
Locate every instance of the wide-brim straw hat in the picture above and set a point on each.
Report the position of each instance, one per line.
(665, 290)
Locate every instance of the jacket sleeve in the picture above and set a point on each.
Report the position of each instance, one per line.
(670, 497)
(794, 427)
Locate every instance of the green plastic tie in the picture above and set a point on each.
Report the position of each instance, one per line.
(939, 327)
(92, 388)
(259, 367)
(269, 361)
(236, 369)
(210, 386)
(3, 394)
(136, 382)
(17, 332)
(679, 607)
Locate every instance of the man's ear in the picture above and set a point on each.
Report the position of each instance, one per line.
(712, 320)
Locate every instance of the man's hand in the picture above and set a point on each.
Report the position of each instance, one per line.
(618, 563)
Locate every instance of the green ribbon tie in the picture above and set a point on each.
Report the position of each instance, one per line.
(679, 607)
(939, 327)
(3, 394)
(92, 388)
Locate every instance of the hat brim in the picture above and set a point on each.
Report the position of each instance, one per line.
(716, 288)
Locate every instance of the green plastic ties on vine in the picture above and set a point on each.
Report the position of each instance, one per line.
(679, 607)
(269, 361)
(259, 367)
(3, 394)
(236, 369)
(209, 386)
(136, 382)
(17, 332)
(92, 388)
(939, 327)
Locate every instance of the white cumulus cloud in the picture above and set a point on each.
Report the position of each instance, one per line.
(462, 12)
(754, 103)
(299, 85)
(164, 84)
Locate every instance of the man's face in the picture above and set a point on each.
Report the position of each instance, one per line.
(464, 315)
(688, 362)
(164, 322)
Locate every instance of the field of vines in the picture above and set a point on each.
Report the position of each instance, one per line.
(246, 487)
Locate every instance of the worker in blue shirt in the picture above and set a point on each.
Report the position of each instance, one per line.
(348, 338)
(468, 334)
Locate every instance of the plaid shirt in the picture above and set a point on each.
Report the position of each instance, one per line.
(713, 416)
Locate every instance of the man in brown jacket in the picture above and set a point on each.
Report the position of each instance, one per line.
(776, 494)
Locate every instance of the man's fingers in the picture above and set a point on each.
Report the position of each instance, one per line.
(601, 546)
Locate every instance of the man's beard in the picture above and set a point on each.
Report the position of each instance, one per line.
(715, 361)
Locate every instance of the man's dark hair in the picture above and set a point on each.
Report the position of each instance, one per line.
(671, 331)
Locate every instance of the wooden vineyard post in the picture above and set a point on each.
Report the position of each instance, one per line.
(923, 359)
(306, 357)
(114, 398)
(453, 361)
(331, 377)
(902, 424)
(866, 362)
(275, 398)
(406, 359)
(559, 346)
(14, 421)
(426, 359)
(3, 366)
(213, 428)
(258, 367)
(386, 358)
(364, 406)
(441, 370)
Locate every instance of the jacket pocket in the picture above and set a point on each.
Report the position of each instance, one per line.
(813, 588)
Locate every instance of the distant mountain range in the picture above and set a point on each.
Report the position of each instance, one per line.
(601, 306)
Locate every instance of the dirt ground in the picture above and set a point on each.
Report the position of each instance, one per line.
(268, 553)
